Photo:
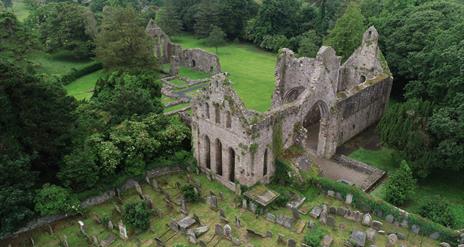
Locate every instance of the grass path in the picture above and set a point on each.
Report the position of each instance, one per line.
(448, 185)
(251, 70)
(82, 88)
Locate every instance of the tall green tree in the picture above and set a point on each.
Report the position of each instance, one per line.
(216, 38)
(15, 40)
(309, 44)
(206, 17)
(347, 33)
(401, 185)
(122, 42)
(234, 15)
(169, 20)
(68, 26)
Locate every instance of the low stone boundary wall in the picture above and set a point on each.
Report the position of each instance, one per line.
(92, 201)
(376, 175)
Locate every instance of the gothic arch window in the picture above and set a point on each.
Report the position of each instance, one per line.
(217, 113)
(218, 157)
(207, 110)
(231, 165)
(265, 163)
(207, 154)
(228, 120)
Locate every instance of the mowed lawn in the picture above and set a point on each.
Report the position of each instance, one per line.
(448, 185)
(82, 88)
(251, 70)
(55, 64)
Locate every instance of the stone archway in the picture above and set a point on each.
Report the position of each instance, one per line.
(293, 94)
(315, 122)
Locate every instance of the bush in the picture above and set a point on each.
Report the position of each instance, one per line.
(78, 73)
(281, 174)
(53, 199)
(437, 210)
(137, 215)
(314, 237)
(189, 193)
(274, 43)
(401, 185)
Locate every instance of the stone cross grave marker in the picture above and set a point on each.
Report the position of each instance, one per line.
(122, 231)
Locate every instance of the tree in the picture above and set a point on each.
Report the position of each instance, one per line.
(137, 215)
(169, 19)
(53, 199)
(216, 38)
(347, 33)
(189, 193)
(68, 26)
(309, 44)
(401, 185)
(438, 210)
(15, 41)
(206, 17)
(7, 3)
(122, 42)
(234, 15)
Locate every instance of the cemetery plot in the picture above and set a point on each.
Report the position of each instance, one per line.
(222, 218)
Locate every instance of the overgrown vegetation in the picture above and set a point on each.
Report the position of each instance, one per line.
(401, 185)
(137, 215)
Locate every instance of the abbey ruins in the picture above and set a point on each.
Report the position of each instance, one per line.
(318, 103)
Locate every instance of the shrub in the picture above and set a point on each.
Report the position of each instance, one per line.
(53, 199)
(137, 215)
(314, 237)
(78, 73)
(281, 175)
(274, 43)
(401, 185)
(437, 210)
(189, 193)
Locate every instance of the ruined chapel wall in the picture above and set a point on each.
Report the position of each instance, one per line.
(200, 60)
(362, 109)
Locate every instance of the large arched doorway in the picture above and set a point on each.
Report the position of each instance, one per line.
(207, 154)
(265, 163)
(312, 123)
(218, 157)
(231, 165)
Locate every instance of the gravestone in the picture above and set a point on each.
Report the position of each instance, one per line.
(331, 193)
(358, 216)
(315, 212)
(118, 209)
(341, 211)
(331, 221)
(122, 231)
(218, 230)
(391, 240)
(271, 217)
(221, 213)
(404, 223)
(32, 242)
(415, 229)
(268, 234)
(238, 189)
(358, 238)
(183, 206)
(212, 201)
(349, 199)
(221, 196)
(435, 235)
(238, 222)
(138, 189)
(281, 239)
(110, 225)
(192, 238)
(82, 227)
(367, 219)
(244, 204)
(200, 230)
(148, 201)
(65, 241)
(370, 234)
(228, 231)
(377, 225)
(236, 241)
(155, 185)
(147, 180)
(295, 213)
(327, 241)
(253, 207)
(332, 210)
(291, 242)
(95, 241)
(389, 218)
(339, 196)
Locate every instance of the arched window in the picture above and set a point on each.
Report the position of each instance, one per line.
(265, 163)
(218, 157)
(231, 165)
(207, 154)
(217, 113)
(207, 110)
(194, 63)
(228, 120)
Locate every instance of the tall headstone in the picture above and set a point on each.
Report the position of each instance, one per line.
(155, 185)
(82, 227)
(122, 231)
(65, 241)
(138, 189)
(295, 213)
(238, 222)
(218, 230)
(110, 225)
(183, 206)
(228, 231)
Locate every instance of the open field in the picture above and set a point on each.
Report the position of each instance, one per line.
(82, 88)
(447, 185)
(230, 204)
(251, 70)
(55, 64)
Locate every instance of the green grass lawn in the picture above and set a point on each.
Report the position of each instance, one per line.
(176, 107)
(449, 185)
(82, 88)
(20, 9)
(251, 70)
(55, 64)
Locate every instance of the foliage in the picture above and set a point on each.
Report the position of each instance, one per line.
(66, 25)
(122, 42)
(281, 174)
(401, 185)
(346, 36)
(53, 199)
(15, 41)
(309, 44)
(314, 237)
(206, 17)
(216, 37)
(77, 73)
(169, 19)
(137, 215)
(438, 210)
(274, 42)
(188, 191)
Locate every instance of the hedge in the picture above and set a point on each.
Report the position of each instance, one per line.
(77, 73)
(365, 201)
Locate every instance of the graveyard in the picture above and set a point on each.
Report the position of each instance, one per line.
(223, 218)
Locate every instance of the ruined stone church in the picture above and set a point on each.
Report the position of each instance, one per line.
(318, 103)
